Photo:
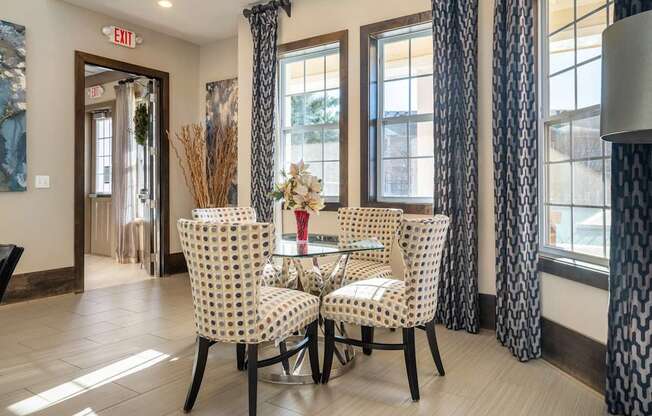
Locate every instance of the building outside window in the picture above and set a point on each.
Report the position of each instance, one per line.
(576, 163)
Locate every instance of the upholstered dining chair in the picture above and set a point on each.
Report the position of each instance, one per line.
(357, 224)
(225, 263)
(272, 275)
(390, 303)
(9, 256)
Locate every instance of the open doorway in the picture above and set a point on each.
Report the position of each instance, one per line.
(121, 181)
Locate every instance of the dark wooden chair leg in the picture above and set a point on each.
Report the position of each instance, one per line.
(313, 351)
(329, 349)
(240, 351)
(434, 349)
(411, 362)
(283, 348)
(252, 375)
(201, 353)
(367, 333)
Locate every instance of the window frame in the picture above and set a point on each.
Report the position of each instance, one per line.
(108, 115)
(341, 38)
(545, 120)
(370, 120)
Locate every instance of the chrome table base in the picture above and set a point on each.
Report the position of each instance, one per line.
(311, 280)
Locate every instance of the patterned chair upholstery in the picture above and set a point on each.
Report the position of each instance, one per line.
(272, 275)
(364, 223)
(391, 303)
(225, 263)
(243, 215)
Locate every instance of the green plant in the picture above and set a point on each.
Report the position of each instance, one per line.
(141, 123)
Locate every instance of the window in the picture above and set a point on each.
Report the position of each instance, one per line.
(312, 124)
(405, 150)
(103, 133)
(576, 162)
(397, 135)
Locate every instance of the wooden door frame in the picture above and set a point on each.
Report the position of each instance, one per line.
(82, 59)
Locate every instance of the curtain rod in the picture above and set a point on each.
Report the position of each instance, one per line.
(272, 5)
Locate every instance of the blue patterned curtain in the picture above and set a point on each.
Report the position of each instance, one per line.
(264, 28)
(455, 36)
(629, 344)
(515, 144)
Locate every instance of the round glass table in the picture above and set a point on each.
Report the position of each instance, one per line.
(301, 269)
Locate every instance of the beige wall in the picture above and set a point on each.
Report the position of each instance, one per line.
(42, 219)
(217, 61)
(579, 307)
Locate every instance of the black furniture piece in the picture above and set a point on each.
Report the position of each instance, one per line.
(9, 256)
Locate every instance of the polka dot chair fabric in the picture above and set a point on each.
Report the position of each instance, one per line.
(392, 303)
(225, 264)
(272, 275)
(244, 215)
(365, 223)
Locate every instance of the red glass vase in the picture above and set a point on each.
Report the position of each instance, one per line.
(302, 218)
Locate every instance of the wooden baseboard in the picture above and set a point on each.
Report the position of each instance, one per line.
(34, 285)
(574, 353)
(176, 263)
(487, 311)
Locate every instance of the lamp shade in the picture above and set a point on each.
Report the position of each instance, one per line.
(626, 113)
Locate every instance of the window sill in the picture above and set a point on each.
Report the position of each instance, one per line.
(594, 276)
(408, 208)
(328, 207)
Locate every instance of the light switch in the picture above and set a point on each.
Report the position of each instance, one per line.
(42, 181)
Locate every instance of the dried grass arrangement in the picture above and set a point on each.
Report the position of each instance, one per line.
(208, 174)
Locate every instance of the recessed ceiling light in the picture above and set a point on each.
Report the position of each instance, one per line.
(165, 3)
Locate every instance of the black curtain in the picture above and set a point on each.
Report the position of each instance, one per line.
(629, 344)
(455, 40)
(264, 28)
(515, 146)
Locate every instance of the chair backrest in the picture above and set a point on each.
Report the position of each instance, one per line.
(364, 223)
(422, 242)
(225, 264)
(9, 256)
(242, 215)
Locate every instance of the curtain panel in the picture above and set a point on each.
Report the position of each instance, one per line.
(125, 176)
(515, 147)
(264, 27)
(629, 341)
(455, 40)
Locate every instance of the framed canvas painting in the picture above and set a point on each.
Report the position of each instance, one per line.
(13, 135)
(222, 109)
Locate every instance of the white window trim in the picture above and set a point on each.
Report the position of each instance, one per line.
(544, 120)
(324, 50)
(408, 119)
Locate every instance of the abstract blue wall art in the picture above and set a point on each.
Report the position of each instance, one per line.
(13, 155)
(222, 110)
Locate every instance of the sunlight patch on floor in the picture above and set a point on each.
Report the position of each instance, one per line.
(87, 382)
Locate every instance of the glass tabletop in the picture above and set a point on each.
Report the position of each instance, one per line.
(291, 248)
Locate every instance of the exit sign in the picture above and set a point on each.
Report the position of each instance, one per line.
(121, 36)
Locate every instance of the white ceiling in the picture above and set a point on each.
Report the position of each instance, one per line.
(197, 21)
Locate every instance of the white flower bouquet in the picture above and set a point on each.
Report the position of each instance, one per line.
(299, 190)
